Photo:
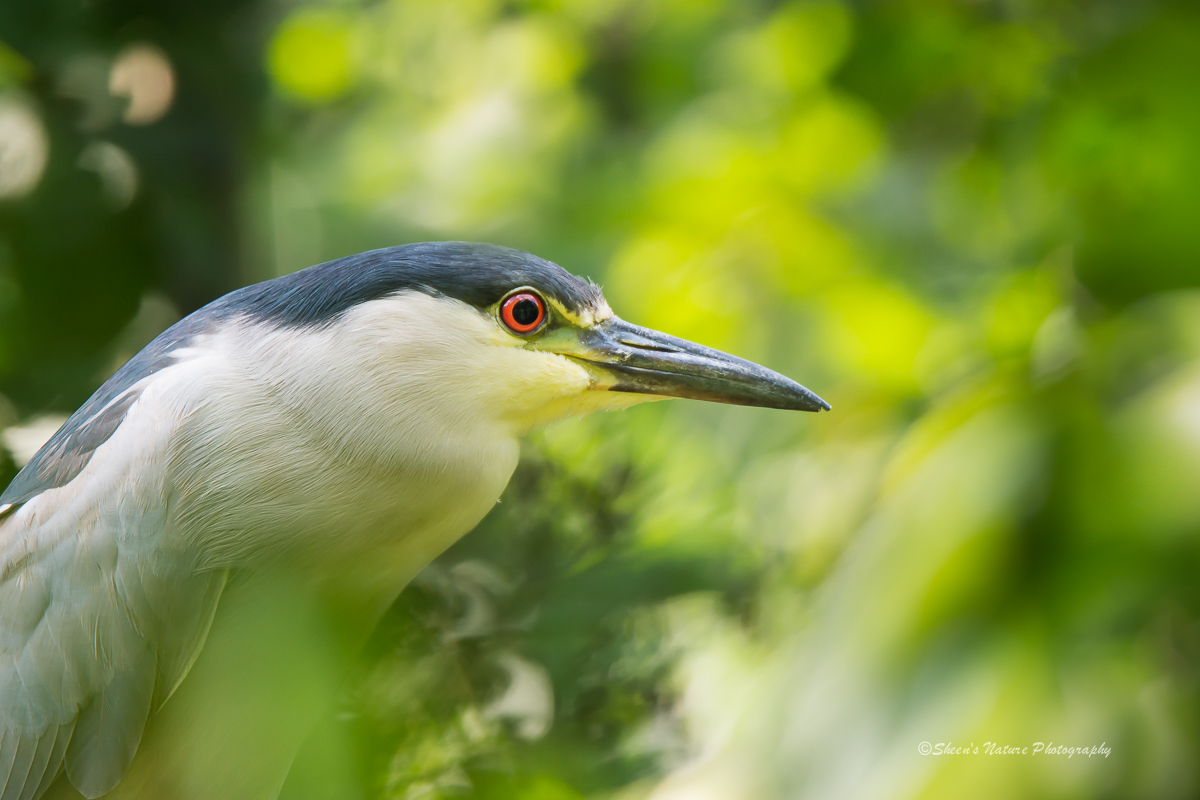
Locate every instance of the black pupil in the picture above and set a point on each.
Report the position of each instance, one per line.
(525, 311)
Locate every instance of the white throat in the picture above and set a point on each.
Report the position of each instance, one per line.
(381, 437)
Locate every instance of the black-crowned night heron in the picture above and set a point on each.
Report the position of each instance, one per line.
(224, 521)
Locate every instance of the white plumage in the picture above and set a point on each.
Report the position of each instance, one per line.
(186, 567)
(358, 451)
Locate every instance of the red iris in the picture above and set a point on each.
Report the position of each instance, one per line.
(523, 312)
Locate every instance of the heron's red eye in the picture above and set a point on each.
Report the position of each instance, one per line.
(523, 312)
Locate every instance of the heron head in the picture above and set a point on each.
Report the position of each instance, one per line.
(564, 352)
(448, 335)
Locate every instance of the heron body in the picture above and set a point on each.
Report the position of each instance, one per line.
(186, 567)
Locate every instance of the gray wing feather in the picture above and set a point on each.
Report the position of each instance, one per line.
(47, 762)
(109, 729)
(53, 765)
(27, 777)
(11, 746)
(82, 659)
(102, 607)
(67, 452)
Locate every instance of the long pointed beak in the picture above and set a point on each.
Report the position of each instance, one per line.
(628, 358)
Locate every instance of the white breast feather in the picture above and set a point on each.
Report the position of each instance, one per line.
(354, 452)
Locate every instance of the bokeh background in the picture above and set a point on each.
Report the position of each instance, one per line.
(971, 226)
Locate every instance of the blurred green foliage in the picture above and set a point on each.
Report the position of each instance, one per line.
(969, 225)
